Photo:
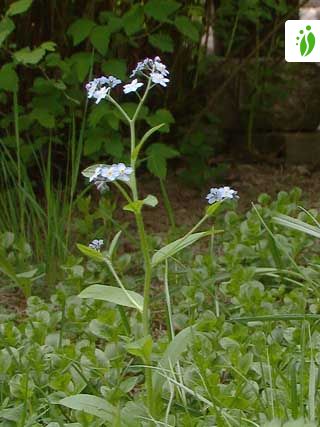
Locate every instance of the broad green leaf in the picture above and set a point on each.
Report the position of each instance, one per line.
(171, 356)
(18, 7)
(176, 246)
(27, 56)
(6, 28)
(297, 224)
(91, 253)
(44, 117)
(82, 63)
(80, 30)
(100, 38)
(12, 414)
(114, 295)
(161, 10)
(133, 20)
(8, 78)
(115, 67)
(161, 116)
(157, 159)
(187, 28)
(91, 405)
(163, 42)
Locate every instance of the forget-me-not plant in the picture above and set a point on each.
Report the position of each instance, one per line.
(148, 74)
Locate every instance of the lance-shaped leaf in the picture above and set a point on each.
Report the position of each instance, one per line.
(90, 404)
(91, 253)
(145, 138)
(114, 295)
(171, 356)
(297, 224)
(176, 246)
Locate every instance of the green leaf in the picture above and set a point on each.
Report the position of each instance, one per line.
(91, 405)
(150, 200)
(114, 243)
(50, 46)
(27, 56)
(161, 116)
(171, 356)
(136, 205)
(114, 295)
(115, 67)
(133, 20)
(82, 63)
(141, 348)
(297, 225)
(162, 41)
(211, 210)
(100, 38)
(18, 7)
(176, 246)
(145, 137)
(157, 159)
(6, 28)
(80, 30)
(44, 117)
(187, 28)
(91, 253)
(161, 10)
(8, 78)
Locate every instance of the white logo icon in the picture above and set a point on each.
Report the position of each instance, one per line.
(302, 41)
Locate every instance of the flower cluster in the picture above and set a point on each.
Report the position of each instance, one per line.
(100, 87)
(154, 68)
(96, 244)
(104, 174)
(222, 193)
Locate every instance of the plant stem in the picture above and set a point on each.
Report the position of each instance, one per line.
(167, 204)
(144, 249)
(18, 146)
(146, 301)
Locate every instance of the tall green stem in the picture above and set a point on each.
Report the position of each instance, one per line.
(144, 248)
(18, 146)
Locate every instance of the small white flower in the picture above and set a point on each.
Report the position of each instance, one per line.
(99, 87)
(101, 94)
(91, 87)
(132, 87)
(124, 172)
(222, 193)
(96, 174)
(159, 67)
(96, 244)
(159, 78)
(113, 81)
(110, 173)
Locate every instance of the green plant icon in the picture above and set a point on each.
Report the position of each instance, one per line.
(306, 40)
